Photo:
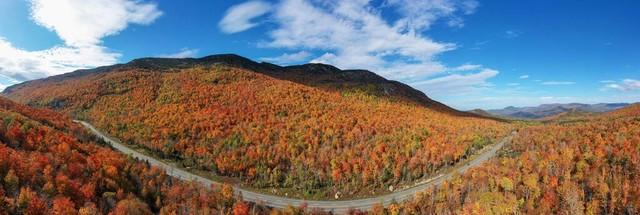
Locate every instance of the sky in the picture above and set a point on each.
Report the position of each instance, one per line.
(465, 53)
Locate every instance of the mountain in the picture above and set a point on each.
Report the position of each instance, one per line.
(311, 130)
(50, 165)
(569, 116)
(547, 110)
(313, 74)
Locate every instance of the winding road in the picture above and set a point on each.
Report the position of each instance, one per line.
(337, 207)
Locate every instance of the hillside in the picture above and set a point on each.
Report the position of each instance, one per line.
(584, 167)
(548, 110)
(49, 165)
(322, 76)
(484, 113)
(313, 130)
(631, 110)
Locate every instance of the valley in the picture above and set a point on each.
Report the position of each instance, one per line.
(335, 206)
(233, 117)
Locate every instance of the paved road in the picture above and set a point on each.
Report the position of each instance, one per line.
(338, 207)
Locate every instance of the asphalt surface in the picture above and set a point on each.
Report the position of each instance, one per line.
(337, 207)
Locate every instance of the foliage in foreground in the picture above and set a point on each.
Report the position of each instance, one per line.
(49, 165)
(590, 167)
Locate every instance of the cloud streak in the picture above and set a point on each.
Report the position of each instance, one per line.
(238, 18)
(626, 85)
(183, 53)
(510, 34)
(287, 58)
(457, 83)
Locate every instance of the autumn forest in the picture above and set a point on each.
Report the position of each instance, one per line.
(260, 128)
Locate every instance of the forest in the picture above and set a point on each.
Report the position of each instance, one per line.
(49, 165)
(586, 167)
(267, 132)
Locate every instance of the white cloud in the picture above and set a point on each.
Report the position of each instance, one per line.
(82, 22)
(6, 81)
(354, 35)
(81, 25)
(625, 85)
(457, 83)
(238, 18)
(456, 22)
(558, 83)
(288, 58)
(607, 81)
(21, 65)
(183, 53)
(420, 14)
(524, 76)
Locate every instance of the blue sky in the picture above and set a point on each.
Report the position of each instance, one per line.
(465, 53)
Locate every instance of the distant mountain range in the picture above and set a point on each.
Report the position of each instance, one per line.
(546, 110)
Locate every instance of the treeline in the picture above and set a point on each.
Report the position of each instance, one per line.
(268, 132)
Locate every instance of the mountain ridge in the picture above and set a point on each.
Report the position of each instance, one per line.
(324, 76)
(547, 110)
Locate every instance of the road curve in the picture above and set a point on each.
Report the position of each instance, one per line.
(338, 207)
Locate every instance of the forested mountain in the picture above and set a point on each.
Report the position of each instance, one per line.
(313, 129)
(49, 165)
(314, 74)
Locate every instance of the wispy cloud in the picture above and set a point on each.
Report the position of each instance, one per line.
(287, 58)
(479, 45)
(558, 83)
(419, 14)
(625, 85)
(467, 67)
(512, 33)
(524, 76)
(238, 18)
(457, 83)
(81, 25)
(183, 53)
